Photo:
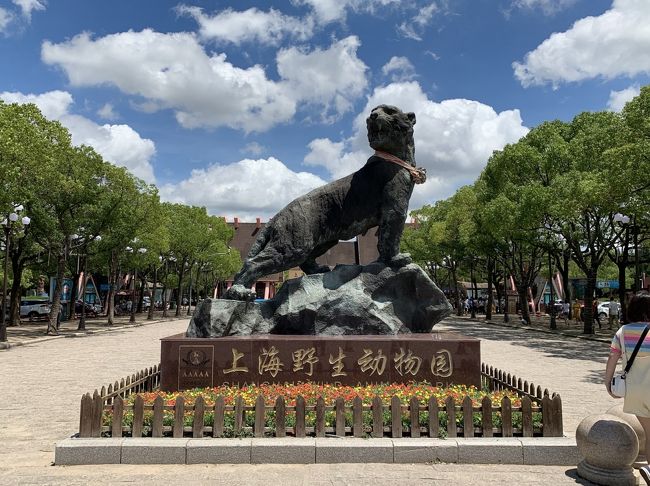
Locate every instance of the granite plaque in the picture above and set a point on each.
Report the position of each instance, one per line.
(440, 358)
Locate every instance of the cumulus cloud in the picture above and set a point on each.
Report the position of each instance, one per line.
(327, 11)
(331, 78)
(453, 139)
(107, 112)
(547, 7)
(28, 6)
(205, 90)
(237, 190)
(617, 99)
(252, 25)
(616, 43)
(399, 68)
(119, 144)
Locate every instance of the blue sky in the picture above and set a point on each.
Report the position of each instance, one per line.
(243, 106)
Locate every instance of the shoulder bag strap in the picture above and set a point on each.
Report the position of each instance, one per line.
(636, 350)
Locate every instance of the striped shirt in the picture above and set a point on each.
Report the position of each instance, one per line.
(631, 332)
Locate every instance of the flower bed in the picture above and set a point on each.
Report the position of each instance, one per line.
(505, 406)
(311, 393)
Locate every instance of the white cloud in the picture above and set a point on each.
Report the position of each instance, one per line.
(414, 28)
(548, 7)
(400, 69)
(27, 6)
(331, 155)
(246, 189)
(332, 78)
(119, 144)
(205, 90)
(250, 25)
(53, 105)
(617, 99)
(433, 55)
(107, 112)
(453, 139)
(253, 148)
(616, 43)
(327, 11)
(5, 19)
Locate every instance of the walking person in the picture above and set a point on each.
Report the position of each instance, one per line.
(565, 312)
(637, 378)
(594, 313)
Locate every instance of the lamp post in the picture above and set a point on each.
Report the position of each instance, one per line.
(637, 273)
(8, 223)
(623, 262)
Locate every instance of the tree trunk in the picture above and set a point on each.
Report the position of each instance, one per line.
(14, 303)
(189, 296)
(53, 321)
(522, 291)
(490, 299)
(164, 300)
(84, 280)
(112, 288)
(143, 281)
(152, 299)
(589, 299)
(621, 291)
(459, 311)
(179, 293)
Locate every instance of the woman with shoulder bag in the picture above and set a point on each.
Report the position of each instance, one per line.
(632, 343)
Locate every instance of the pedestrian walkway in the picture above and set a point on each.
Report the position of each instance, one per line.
(43, 382)
(29, 332)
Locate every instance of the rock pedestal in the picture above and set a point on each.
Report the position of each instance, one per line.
(609, 446)
(351, 299)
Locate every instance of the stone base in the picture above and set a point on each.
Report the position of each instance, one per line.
(440, 358)
(539, 450)
(609, 477)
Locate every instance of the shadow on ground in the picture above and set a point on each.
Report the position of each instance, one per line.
(552, 345)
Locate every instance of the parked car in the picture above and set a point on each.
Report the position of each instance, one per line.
(34, 308)
(603, 310)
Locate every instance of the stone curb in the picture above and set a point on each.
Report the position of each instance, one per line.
(91, 332)
(547, 451)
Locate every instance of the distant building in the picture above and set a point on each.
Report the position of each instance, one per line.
(361, 250)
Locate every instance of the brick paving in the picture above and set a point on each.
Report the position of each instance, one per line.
(44, 380)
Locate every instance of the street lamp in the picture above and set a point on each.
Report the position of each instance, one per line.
(625, 222)
(8, 224)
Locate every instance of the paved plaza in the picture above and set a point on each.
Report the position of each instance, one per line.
(43, 382)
